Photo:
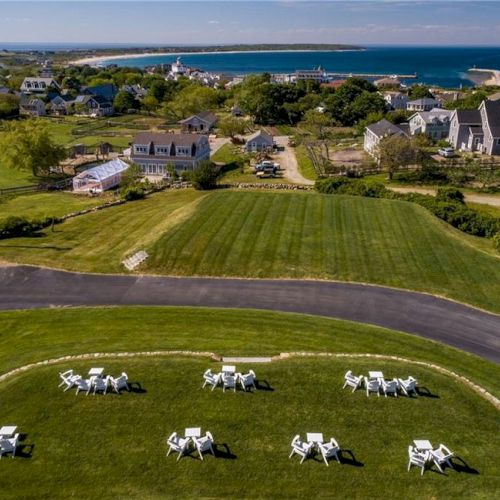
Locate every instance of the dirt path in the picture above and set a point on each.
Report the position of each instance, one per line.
(472, 198)
(217, 143)
(288, 162)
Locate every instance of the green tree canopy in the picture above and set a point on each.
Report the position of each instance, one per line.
(125, 101)
(9, 105)
(27, 145)
(394, 152)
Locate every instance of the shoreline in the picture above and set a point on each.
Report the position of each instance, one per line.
(492, 80)
(97, 60)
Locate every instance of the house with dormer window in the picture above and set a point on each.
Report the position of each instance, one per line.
(154, 152)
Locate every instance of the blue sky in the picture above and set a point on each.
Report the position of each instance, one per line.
(447, 22)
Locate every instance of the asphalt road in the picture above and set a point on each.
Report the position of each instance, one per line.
(26, 287)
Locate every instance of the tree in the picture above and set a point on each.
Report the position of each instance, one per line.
(232, 126)
(192, 99)
(316, 123)
(125, 101)
(205, 176)
(394, 152)
(419, 91)
(9, 105)
(28, 146)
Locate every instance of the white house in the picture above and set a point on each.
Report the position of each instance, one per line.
(375, 132)
(423, 104)
(435, 123)
(260, 141)
(100, 178)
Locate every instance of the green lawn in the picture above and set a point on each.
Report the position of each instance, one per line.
(330, 237)
(10, 177)
(55, 204)
(306, 167)
(99, 241)
(254, 234)
(114, 446)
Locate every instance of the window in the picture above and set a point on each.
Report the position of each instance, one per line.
(141, 149)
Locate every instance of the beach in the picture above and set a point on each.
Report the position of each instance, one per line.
(98, 60)
(492, 80)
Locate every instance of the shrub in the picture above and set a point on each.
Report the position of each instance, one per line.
(450, 194)
(205, 176)
(133, 192)
(496, 241)
(15, 226)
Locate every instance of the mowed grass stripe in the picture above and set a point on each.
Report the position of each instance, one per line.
(306, 235)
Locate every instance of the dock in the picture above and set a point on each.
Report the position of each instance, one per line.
(375, 76)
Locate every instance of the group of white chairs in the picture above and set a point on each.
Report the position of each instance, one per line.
(314, 443)
(379, 384)
(425, 458)
(182, 445)
(229, 380)
(93, 383)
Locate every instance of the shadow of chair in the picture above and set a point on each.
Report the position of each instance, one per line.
(223, 451)
(425, 392)
(347, 457)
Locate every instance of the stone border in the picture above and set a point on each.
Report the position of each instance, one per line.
(460, 378)
(282, 356)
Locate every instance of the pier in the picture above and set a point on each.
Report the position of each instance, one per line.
(373, 75)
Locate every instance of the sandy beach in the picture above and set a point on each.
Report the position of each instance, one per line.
(492, 80)
(98, 60)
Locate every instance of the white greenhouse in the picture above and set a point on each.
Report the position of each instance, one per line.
(98, 179)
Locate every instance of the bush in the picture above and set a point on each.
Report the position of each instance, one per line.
(133, 192)
(15, 226)
(450, 194)
(205, 176)
(355, 187)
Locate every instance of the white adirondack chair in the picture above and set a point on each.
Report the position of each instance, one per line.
(408, 385)
(390, 387)
(372, 385)
(247, 379)
(442, 455)
(9, 445)
(67, 379)
(352, 381)
(211, 378)
(83, 385)
(204, 443)
(120, 383)
(100, 384)
(329, 450)
(228, 382)
(300, 448)
(417, 458)
(177, 444)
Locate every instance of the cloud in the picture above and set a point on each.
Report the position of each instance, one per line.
(213, 21)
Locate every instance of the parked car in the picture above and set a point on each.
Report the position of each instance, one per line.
(446, 152)
(267, 165)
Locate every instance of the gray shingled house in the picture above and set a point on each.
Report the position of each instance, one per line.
(154, 151)
(201, 122)
(375, 132)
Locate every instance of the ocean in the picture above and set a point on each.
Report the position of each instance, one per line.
(443, 66)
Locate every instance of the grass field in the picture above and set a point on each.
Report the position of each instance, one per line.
(331, 237)
(99, 241)
(253, 234)
(41, 205)
(306, 167)
(114, 446)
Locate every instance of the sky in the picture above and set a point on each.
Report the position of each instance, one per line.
(161, 22)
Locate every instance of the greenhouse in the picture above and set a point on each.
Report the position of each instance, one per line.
(100, 178)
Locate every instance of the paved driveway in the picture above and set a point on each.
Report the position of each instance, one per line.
(26, 287)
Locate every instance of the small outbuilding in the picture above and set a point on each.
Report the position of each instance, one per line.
(100, 178)
(260, 141)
